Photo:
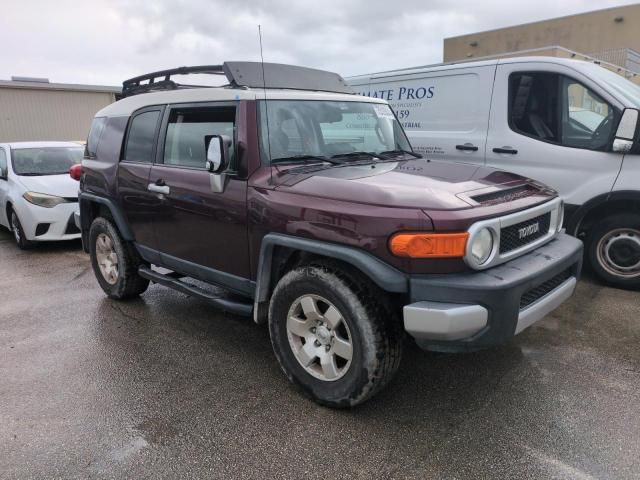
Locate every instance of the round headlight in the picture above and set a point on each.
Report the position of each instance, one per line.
(481, 246)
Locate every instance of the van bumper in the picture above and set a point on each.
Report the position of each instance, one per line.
(470, 311)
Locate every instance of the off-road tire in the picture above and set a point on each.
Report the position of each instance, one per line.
(629, 222)
(128, 284)
(18, 231)
(376, 332)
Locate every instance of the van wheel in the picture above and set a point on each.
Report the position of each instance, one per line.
(613, 248)
(18, 232)
(334, 335)
(115, 262)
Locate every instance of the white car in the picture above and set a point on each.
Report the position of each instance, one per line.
(38, 198)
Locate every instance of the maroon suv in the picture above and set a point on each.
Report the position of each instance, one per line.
(306, 203)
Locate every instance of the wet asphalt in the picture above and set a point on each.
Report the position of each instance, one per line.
(166, 387)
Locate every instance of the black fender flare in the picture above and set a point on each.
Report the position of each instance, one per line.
(84, 199)
(575, 221)
(388, 278)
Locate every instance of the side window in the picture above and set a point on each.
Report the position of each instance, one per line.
(141, 137)
(557, 109)
(587, 120)
(97, 126)
(533, 102)
(3, 163)
(186, 131)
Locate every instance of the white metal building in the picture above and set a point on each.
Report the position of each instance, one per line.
(34, 109)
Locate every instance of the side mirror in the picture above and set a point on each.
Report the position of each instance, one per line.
(627, 131)
(3, 174)
(217, 152)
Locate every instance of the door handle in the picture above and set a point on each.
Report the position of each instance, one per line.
(163, 189)
(467, 147)
(509, 150)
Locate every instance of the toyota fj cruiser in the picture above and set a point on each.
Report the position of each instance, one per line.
(307, 204)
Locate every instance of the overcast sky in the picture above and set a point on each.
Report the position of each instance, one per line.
(107, 41)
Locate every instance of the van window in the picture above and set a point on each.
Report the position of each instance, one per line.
(533, 100)
(586, 118)
(97, 126)
(186, 131)
(557, 109)
(141, 138)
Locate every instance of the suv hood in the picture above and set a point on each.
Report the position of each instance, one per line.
(58, 185)
(416, 183)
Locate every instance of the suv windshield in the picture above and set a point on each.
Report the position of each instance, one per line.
(45, 160)
(303, 130)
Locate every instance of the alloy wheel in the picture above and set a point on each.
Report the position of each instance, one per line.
(319, 337)
(107, 258)
(15, 227)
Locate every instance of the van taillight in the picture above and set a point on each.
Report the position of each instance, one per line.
(76, 171)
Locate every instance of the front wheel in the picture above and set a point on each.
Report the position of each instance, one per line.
(18, 232)
(613, 247)
(333, 334)
(115, 262)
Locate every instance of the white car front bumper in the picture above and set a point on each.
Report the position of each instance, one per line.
(48, 224)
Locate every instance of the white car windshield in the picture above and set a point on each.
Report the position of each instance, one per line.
(45, 160)
(324, 130)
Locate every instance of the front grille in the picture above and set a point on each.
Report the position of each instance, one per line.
(540, 291)
(523, 233)
(506, 195)
(71, 227)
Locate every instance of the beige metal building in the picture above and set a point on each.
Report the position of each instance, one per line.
(34, 109)
(611, 36)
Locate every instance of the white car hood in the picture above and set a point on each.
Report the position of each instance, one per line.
(58, 185)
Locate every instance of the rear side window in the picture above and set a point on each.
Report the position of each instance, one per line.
(141, 137)
(97, 126)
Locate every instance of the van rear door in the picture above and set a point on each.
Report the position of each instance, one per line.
(443, 110)
(552, 123)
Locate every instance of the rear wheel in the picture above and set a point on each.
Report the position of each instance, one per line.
(334, 335)
(115, 262)
(613, 248)
(18, 232)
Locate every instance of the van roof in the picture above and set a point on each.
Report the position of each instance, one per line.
(128, 105)
(466, 64)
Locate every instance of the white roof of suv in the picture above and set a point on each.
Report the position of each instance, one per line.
(42, 144)
(128, 105)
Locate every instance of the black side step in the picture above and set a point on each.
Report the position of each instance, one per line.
(169, 280)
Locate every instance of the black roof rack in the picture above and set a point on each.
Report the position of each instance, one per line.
(242, 74)
(134, 85)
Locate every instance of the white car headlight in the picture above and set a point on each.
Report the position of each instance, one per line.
(481, 246)
(43, 200)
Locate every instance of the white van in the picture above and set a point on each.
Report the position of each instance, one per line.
(570, 124)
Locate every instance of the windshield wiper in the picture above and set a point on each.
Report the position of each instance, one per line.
(399, 152)
(355, 155)
(305, 159)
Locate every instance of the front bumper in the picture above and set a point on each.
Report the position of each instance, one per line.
(480, 309)
(48, 224)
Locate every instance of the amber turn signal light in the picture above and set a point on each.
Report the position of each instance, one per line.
(429, 245)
